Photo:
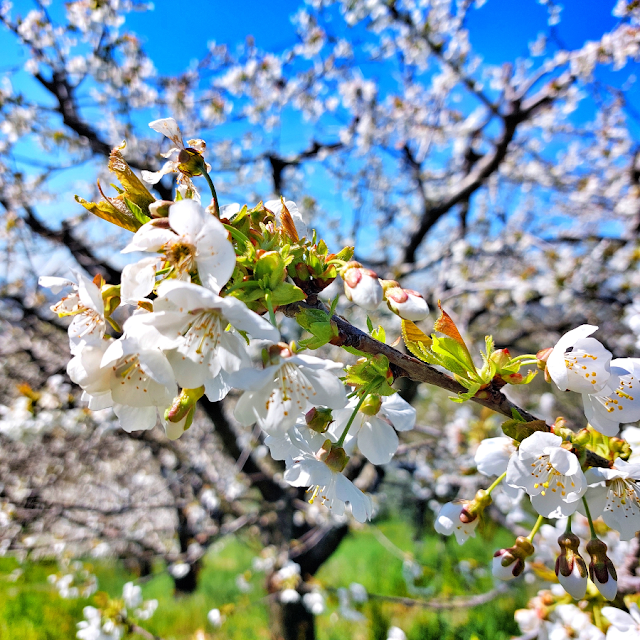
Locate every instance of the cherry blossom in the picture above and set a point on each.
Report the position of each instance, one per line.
(550, 474)
(579, 363)
(493, 454)
(195, 240)
(448, 522)
(624, 626)
(361, 286)
(277, 395)
(618, 401)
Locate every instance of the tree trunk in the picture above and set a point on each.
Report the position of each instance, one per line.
(291, 621)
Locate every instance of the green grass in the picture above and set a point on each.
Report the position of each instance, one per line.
(30, 608)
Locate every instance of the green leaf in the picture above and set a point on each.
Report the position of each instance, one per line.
(369, 324)
(379, 334)
(519, 430)
(454, 357)
(286, 293)
(141, 217)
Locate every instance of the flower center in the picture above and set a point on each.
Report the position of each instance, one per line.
(202, 336)
(295, 388)
(581, 363)
(548, 478)
(182, 256)
(129, 371)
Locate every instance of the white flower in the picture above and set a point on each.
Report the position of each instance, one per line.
(624, 626)
(277, 395)
(301, 227)
(191, 322)
(132, 595)
(138, 280)
(396, 633)
(579, 363)
(448, 522)
(493, 454)
(362, 286)
(299, 438)
(141, 381)
(314, 602)
(530, 623)
(376, 438)
(550, 474)
(618, 401)
(614, 494)
(169, 127)
(85, 303)
(86, 370)
(215, 618)
(332, 487)
(568, 622)
(196, 239)
(289, 595)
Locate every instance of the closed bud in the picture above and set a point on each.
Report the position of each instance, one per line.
(501, 358)
(571, 568)
(361, 286)
(179, 416)
(406, 303)
(601, 569)
(543, 355)
(509, 563)
(159, 208)
(582, 438)
(318, 419)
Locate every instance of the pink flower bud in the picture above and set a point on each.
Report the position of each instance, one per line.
(361, 286)
(406, 303)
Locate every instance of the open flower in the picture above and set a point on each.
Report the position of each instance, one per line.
(448, 522)
(138, 280)
(322, 473)
(493, 454)
(193, 320)
(614, 494)
(624, 626)
(375, 436)
(277, 395)
(277, 208)
(579, 363)
(618, 401)
(193, 240)
(84, 303)
(141, 381)
(550, 474)
(183, 165)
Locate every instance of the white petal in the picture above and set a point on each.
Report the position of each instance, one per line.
(186, 218)
(54, 283)
(401, 414)
(138, 280)
(149, 238)
(168, 127)
(537, 442)
(377, 440)
(136, 418)
(564, 461)
(618, 618)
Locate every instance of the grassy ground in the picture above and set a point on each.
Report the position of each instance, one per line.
(30, 608)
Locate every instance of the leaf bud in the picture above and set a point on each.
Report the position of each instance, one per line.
(270, 266)
(601, 569)
(509, 563)
(501, 358)
(571, 568)
(318, 419)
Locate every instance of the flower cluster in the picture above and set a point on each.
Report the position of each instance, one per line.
(562, 471)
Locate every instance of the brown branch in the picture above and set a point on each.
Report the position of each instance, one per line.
(405, 365)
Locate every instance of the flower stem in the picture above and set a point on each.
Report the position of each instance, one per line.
(567, 529)
(352, 417)
(586, 509)
(272, 313)
(536, 526)
(496, 483)
(214, 195)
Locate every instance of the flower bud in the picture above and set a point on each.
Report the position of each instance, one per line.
(582, 438)
(501, 358)
(601, 569)
(160, 208)
(571, 568)
(473, 509)
(318, 419)
(361, 286)
(509, 563)
(406, 303)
